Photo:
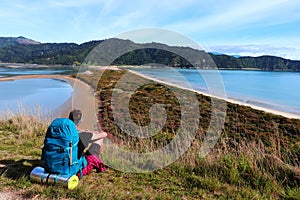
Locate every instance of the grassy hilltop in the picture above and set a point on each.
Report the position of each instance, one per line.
(256, 156)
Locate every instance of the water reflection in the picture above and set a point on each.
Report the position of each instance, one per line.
(46, 93)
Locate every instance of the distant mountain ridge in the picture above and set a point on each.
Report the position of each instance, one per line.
(10, 41)
(23, 50)
(223, 54)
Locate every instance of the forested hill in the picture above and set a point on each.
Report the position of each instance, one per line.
(46, 53)
(9, 41)
(267, 63)
(23, 50)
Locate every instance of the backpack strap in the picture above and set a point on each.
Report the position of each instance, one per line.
(55, 179)
(80, 172)
(70, 152)
(43, 177)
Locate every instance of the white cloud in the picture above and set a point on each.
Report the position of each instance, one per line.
(233, 14)
(257, 50)
(77, 3)
(211, 22)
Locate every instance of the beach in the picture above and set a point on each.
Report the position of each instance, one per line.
(76, 101)
(83, 97)
(268, 110)
(245, 132)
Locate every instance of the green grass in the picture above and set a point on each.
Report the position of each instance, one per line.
(220, 175)
(256, 157)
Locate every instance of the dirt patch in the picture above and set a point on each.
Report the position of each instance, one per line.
(11, 195)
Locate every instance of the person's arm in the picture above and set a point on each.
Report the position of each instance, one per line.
(99, 135)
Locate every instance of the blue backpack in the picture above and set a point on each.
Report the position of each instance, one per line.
(60, 151)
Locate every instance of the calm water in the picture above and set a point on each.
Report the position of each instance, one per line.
(276, 90)
(5, 71)
(41, 95)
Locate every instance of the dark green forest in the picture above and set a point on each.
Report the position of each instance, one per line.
(22, 50)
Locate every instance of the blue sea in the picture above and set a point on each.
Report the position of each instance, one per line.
(6, 71)
(275, 90)
(36, 95)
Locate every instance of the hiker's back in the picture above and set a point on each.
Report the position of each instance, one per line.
(60, 151)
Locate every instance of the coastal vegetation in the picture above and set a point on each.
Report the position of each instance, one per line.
(46, 53)
(22, 50)
(256, 156)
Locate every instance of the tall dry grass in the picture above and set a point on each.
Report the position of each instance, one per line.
(246, 164)
(25, 123)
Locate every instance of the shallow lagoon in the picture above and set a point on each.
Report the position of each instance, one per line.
(34, 94)
(37, 95)
(6, 71)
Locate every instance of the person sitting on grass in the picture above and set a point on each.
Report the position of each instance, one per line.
(68, 151)
(88, 147)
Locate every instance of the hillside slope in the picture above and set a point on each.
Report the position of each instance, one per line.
(23, 50)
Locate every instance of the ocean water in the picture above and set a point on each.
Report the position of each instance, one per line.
(32, 95)
(6, 71)
(41, 95)
(276, 90)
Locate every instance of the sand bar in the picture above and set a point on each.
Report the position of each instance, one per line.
(83, 98)
(268, 110)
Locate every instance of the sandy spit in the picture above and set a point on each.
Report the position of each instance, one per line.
(268, 110)
(83, 97)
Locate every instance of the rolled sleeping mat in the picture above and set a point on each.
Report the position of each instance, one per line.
(38, 174)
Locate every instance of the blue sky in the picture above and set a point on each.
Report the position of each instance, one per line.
(249, 27)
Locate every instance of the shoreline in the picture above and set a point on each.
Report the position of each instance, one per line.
(82, 98)
(256, 107)
(61, 110)
(27, 65)
(82, 89)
